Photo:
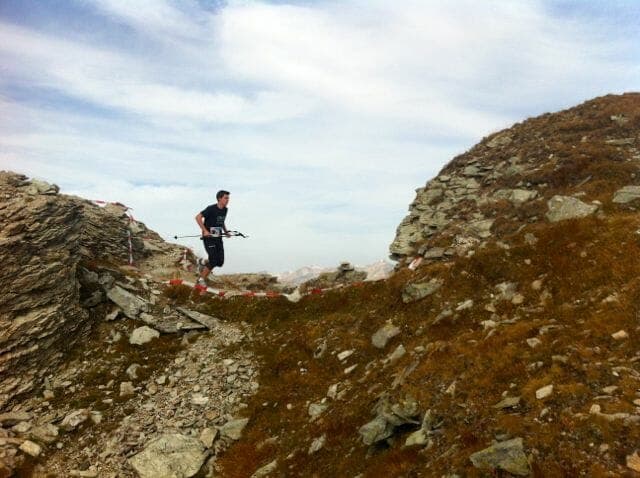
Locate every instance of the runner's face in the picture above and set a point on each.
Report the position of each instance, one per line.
(224, 200)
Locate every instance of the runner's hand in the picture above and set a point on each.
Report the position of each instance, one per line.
(206, 233)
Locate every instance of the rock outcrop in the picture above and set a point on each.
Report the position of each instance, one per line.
(58, 255)
(537, 170)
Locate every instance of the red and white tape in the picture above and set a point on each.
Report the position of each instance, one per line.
(248, 293)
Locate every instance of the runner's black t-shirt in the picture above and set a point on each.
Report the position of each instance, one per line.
(214, 216)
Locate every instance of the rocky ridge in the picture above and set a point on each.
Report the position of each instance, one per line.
(506, 181)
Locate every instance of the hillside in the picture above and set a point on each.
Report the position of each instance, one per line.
(509, 349)
(518, 327)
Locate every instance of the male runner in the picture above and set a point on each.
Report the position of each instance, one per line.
(211, 222)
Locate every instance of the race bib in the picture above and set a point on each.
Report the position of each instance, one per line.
(216, 231)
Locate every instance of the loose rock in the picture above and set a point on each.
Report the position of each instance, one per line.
(31, 448)
(383, 335)
(143, 335)
(544, 392)
(414, 292)
(507, 455)
(233, 428)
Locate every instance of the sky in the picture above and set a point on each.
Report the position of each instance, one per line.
(320, 117)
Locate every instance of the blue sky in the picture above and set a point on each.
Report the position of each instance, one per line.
(320, 117)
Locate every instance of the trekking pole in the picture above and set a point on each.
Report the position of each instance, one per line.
(227, 234)
(235, 234)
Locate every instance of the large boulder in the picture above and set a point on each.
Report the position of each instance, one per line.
(170, 456)
(507, 455)
(562, 208)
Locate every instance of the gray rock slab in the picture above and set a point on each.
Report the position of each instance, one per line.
(500, 139)
(31, 448)
(481, 227)
(621, 141)
(206, 320)
(170, 324)
(130, 304)
(41, 187)
(507, 402)
(434, 253)
(388, 417)
(417, 438)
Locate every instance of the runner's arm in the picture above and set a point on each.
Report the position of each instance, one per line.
(200, 221)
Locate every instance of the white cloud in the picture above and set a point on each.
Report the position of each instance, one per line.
(419, 61)
(117, 80)
(321, 119)
(153, 16)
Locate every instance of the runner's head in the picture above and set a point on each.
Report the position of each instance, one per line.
(223, 198)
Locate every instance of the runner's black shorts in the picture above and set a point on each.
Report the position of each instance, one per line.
(215, 251)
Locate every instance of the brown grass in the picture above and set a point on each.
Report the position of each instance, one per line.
(482, 368)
